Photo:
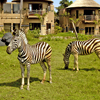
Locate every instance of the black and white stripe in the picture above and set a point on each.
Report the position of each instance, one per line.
(81, 48)
(38, 53)
(34, 54)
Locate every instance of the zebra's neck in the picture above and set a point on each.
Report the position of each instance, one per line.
(23, 36)
(22, 52)
(68, 52)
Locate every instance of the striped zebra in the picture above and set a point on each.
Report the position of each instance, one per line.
(21, 34)
(81, 48)
(38, 53)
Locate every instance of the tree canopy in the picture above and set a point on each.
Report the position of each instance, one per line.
(63, 4)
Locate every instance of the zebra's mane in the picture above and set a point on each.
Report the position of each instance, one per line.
(21, 33)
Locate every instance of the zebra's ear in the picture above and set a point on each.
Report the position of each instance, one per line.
(16, 32)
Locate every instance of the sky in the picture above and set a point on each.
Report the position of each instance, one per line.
(56, 2)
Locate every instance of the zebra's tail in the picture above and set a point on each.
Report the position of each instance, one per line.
(67, 55)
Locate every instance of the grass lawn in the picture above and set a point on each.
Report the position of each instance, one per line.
(67, 84)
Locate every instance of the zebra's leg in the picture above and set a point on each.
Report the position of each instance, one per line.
(98, 54)
(22, 74)
(49, 68)
(44, 70)
(76, 62)
(28, 75)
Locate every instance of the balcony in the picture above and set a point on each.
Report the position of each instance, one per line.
(89, 18)
(31, 14)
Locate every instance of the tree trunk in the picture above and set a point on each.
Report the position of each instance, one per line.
(75, 30)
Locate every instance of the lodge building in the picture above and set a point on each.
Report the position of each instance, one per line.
(88, 13)
(10, 15)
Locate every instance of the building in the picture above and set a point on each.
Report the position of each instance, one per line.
(88, 13)
(10, 15)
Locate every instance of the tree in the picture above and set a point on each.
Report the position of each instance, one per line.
(21, 6)
(63, 4)
(73, 23)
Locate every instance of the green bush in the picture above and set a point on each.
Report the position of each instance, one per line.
(2, 33)
(48, 38)
(57, 29)
(84, 37)
(33, 34)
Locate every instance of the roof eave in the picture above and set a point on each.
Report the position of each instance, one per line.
(33, 1)
(81, 7)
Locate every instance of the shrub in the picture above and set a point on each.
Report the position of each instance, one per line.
(33, 34)
(57, 29)
(2, 33)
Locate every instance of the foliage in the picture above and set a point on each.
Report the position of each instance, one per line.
(97, 22)
(57, 29)
(67, 84)
(2, 33)
(33, 34)
(41, 17)
(66, 14)
(75, 21)
(63, 4)
(66, 35)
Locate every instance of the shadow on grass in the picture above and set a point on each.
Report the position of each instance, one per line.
(17, 83)
(64, 69)
(86, 69)
(90, 69)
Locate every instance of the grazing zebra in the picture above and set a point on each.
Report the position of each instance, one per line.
(81, 48)
(38, 53)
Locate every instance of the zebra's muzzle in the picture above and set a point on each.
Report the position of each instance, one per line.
(8, 50)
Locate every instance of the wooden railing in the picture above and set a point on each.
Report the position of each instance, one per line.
(90, 17)
(41, 12)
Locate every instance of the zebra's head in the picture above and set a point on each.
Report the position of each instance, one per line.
(66, 62)
(14, 44)
(20, 33)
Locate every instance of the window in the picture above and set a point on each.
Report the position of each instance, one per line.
(49, 8)
(35, 7)
(89, 30)
(16, 8)
(48, 26)
(76, 13)
(77, 29)
(7, 8)
(99, 14)
(30, 7)
(7, 27)
(32, 26)
(16, 26)
(66, 29)
(99, 29)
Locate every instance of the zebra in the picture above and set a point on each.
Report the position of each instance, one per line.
(81, 48)
(21, 33)
(38, 53)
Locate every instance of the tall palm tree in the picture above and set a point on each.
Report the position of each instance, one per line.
(21, 6)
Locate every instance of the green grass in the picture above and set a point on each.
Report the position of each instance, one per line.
(67, 84)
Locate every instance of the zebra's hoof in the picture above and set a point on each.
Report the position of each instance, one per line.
(42, 82)
(50, 82)
(21, 88)
(73, 69)
(28, 88)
